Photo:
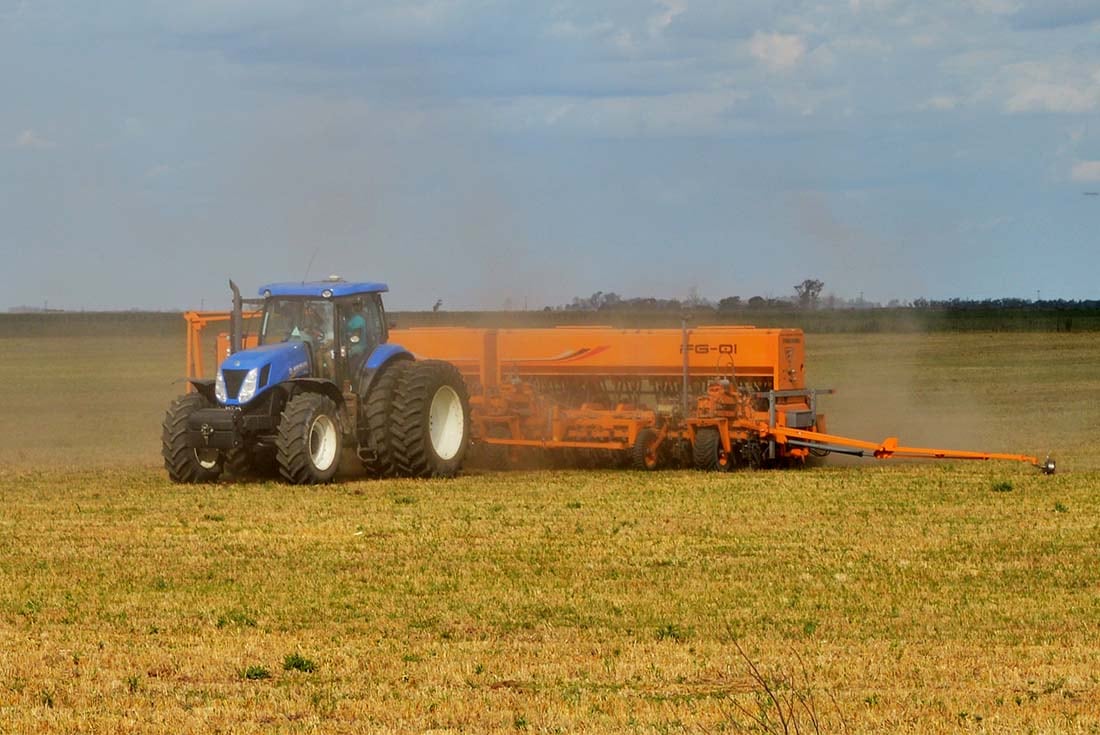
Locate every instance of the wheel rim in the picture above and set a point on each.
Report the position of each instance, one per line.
(207, 458)
(322, 442)
(446, 422)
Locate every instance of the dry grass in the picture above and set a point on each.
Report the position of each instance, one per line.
(918, 597)
(899, 598)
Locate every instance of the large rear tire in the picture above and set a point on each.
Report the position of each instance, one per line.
(184, 463)
(377, 417)
(307, 448)
(430, 420)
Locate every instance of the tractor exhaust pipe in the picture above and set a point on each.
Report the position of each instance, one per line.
(235, 319)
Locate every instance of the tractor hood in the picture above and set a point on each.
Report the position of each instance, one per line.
(249, 373)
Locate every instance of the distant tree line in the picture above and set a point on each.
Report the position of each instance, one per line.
(808, 296)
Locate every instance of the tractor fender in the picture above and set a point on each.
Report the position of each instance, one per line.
(382, 357)
(313, 385)
(204, 388)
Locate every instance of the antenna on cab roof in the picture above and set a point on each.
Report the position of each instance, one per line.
(310, 263)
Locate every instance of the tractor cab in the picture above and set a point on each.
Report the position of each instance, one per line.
(337, 333)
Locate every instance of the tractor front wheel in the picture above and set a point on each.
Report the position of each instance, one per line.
(307, 448)
(430, 420)
(185, 463)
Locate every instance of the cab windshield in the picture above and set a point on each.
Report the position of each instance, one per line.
(298, 319)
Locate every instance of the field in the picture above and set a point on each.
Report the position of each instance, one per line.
(905, 597)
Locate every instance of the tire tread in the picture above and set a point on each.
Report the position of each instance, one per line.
(378, 417)
(292, 441)
(179, 459)
(412, 451)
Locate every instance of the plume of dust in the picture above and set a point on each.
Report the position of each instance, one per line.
(895, 385)
(888, 385)
(851, 258)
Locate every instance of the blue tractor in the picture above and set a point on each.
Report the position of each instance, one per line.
(322, 377)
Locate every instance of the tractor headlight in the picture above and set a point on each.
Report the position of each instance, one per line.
(219, 388)
(248, 387)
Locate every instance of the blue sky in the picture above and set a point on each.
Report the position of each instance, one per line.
(492, 153)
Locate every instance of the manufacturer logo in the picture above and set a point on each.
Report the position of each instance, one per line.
(719, 349)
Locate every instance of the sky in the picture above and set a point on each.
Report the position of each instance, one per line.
(518, 154)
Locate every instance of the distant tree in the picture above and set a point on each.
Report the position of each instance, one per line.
(757, 302)
(438, 305)
(729, 303)
(695, 301)
(610, 300)
(808, 292)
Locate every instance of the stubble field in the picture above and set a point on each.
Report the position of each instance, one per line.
(883, 597)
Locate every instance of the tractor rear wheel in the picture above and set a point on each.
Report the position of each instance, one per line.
(377, 412)
(430, 420)
(185, 463)
(643, 455)
(708, 452)
(307, 448)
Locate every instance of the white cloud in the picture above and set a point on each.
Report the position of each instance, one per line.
(670, 9)
(855, 45)
(31, 139)
(623, 40)
(995, 7)
(941, 102)
(1043, 97)
(859, 6)
(567, 29)
(681, 114)
(1058, 86)
(1086, 171)
(777, 51)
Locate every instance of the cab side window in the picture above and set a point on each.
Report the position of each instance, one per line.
(362, 320)
(373, 315)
